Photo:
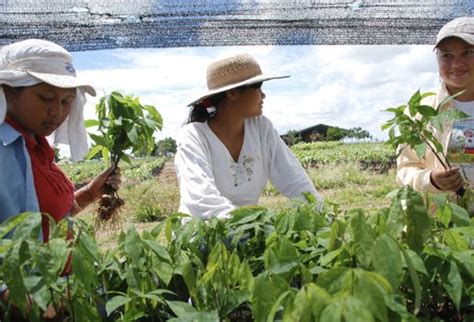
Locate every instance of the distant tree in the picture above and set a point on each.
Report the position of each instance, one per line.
(293, 137)
(165, 146)
(335, 134)
(358, 133)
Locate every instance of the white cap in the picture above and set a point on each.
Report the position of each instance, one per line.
(462, 27)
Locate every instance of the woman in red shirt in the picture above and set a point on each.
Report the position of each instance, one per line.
(41, 96)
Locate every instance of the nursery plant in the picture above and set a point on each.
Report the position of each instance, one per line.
(413, 126)
(125, 127)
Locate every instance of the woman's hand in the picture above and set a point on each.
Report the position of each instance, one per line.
(107, 177)
(94, 189)
(447, 180)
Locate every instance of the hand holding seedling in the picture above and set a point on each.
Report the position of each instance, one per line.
(414, 123)
(447, 180)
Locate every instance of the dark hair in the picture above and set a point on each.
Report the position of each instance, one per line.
(199, 111)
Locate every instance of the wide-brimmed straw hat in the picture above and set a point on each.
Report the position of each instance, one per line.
(462, 27)
(232, 72)
(43, 60)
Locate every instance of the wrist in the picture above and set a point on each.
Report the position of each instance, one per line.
(434, 183)
(89, 195)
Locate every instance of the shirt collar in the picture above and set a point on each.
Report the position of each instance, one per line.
(8, 134)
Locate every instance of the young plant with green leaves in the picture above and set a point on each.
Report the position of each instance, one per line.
(415, 122)
(125, 127)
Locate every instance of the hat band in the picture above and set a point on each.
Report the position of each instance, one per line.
(51, 65)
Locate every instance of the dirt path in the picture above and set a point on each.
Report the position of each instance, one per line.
(167, 173)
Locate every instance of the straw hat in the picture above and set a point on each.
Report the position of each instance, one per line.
(232, 72)
(462, 27)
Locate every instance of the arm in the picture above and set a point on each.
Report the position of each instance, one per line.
(199, 195)
(424, 175)
(286, 173)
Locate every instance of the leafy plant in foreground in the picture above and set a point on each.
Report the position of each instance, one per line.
(125, 126)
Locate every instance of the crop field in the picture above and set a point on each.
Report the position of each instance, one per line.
(372, 253)
(347, 175)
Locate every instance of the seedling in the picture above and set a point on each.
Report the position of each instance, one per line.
(415, 122)
(126, 127)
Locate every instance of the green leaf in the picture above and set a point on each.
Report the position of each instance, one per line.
(181, 309)
(307, 305)
(387, 259)
(355, 311)
(29, 227)
(460, 216)
(427, 110)
(415, 261)
(333, 312)
(99, 140)
(116, 302)
(133, 246)
(452, 282)
(414, 280)
(396, 219)
(12, 222)
(105, 154)
(336, 280)
(465, 262)
(159, 250)
(91, 123)
(371, 289)
(363, 239)
(420, 150)
(266, 291)
(94, 151)
(133, 135)
(201, 316)
(418, 221)
(455, 240)
(13, 276)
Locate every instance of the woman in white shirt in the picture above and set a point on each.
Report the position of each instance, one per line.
(228, 151)
(455, 55)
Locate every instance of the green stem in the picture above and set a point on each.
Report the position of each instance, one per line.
(436, 154)
(69, 298)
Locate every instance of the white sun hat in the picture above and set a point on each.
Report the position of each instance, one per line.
(232, 72)
(462, 27)
(34, 61)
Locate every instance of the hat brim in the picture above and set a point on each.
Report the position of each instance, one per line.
(63, 81)
(250, 81)
(469, 38)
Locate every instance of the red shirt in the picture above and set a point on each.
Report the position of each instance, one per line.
(55, 192)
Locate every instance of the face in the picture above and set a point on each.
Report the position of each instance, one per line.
(456, 64)
(251, 100)
(40, 109)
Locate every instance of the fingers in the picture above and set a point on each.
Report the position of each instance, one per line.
(449, 180)
(114, 178)
(114, 181)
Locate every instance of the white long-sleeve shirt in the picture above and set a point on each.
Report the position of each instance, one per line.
(212, 184)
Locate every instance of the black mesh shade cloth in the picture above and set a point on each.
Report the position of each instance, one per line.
(106, 24)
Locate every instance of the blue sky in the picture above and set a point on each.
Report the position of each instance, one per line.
(344, 86)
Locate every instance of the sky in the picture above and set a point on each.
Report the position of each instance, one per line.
(344, 86)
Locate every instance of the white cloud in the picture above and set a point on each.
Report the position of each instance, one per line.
(344, 86)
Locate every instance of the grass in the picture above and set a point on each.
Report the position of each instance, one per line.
(150, 200)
